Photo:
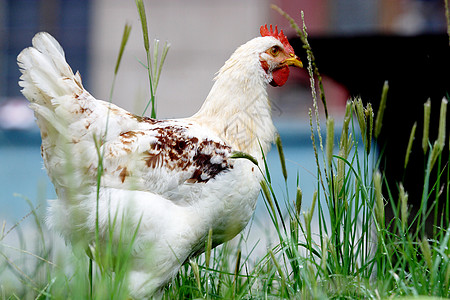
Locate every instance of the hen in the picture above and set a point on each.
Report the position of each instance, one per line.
(173, 180)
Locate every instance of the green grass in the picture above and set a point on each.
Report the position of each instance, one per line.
(341, 247)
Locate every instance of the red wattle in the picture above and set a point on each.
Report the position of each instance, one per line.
(280, 76)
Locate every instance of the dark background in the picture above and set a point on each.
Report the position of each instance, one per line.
(417, 68)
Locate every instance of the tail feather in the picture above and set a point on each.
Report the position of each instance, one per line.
(45, 72)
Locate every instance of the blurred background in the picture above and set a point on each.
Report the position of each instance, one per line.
(358, 45)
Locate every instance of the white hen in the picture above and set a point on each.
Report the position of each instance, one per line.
(173, 178)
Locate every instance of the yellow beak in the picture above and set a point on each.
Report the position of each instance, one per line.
(293, 61)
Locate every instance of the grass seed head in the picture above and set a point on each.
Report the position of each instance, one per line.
(382, 107)
(360, 115)
(410, 143)
(196, 272)
(125, 36)
(435, 152)
(343, 144)
(298, 201)
(426, 125)
(403, 207)
(442, 124)
(368, 111)
(426, 252)
(307, 216)
(267, 195)
(281, 155)
(439, 144)
(143, 17)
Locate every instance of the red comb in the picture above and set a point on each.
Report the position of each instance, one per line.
(279, 36)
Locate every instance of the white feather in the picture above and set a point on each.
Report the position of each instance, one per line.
(175, 178)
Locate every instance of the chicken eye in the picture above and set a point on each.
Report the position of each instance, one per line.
(274, 51)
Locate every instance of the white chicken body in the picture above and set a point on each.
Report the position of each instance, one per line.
(173, 180)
